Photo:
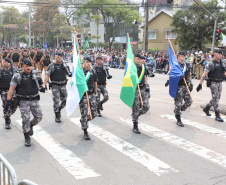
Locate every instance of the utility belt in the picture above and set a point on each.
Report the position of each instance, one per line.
(142, 86)
(31, 98)
(104, 83)
(59, 83)
(216, 80)
(89, 93)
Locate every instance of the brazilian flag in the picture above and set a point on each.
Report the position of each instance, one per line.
(130, 80)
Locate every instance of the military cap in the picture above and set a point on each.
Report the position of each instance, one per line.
(25, 50)
(99, 58)
(218, 51)
(59, 53)
(27, 62)
(137, 55)
(7, 59)
(181, 53)
(87, 58)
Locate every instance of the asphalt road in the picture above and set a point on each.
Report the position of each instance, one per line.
(164, 154)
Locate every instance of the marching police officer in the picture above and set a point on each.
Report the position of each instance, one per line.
(32, 54)
(16, 58)
(216, 72)
(91, 79)
(102, 74)
(5, 79)
(137, 108)
(182, 91)
(37, 57)
(46, 60)
(23, 57)
(58, 76)
(27, 84)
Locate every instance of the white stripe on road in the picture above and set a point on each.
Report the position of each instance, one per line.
(213, 117)
(138, 155)
(202, 127)
(65, 157)
(183, 144)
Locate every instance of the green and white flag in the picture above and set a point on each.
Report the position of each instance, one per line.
(78, 85)
(86, 44)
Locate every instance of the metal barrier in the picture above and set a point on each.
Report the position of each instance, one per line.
(8, 174)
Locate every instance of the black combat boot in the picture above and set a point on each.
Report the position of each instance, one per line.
(101, 106)
(60, 112)
(218, 118)
(57, 117)
(31, 130)
(179, 122)
(27, 139)
(135, 127)
(7, 123)
(99, 113)
(206, 109)
(86, 135)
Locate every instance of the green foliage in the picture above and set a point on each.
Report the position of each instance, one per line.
(117, 46)
(101, 45)
(92, 45)
(155, 49)
(194, 27)
(22, 38)
(112, 13)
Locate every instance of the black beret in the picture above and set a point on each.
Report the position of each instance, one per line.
(7, 60)
(59, 53)
(218, 51)
(15, 48)
(99, 58)
(25, 50)
(181, 53)
(27, 62)
(137, 55)
(46, 52)
(87, 58)
(142, 57)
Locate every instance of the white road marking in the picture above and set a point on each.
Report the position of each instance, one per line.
(199, 126)
(153, 164)
(65, 157)
(213, 117)
(161, 100)
(182, 143)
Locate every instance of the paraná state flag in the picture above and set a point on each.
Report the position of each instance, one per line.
(78, 85)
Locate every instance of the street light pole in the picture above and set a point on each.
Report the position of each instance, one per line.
(29, 29)
(146, 26)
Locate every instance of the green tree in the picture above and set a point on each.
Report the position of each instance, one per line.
(92, 45)
(43, 21)
(22, 38)
(117, 46)
(61, 28)
(194, 27)
(112, 15)
(11, 15)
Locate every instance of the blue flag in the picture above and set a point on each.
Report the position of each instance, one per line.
(44, 46)
(175, 73)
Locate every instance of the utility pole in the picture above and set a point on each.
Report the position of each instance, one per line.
(146, 26)
(29, 28)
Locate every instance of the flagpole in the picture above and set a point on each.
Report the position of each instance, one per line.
(138, 87)
(183, 77)
(82, 69)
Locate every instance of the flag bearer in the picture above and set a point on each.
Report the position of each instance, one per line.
(182, 91)
(91, 79)
(137, 108)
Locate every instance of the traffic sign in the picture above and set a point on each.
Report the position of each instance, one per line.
(10, 25)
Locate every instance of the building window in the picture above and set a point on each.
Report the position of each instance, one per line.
(171, 35)
(152, 34)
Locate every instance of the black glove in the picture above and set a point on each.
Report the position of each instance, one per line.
(167, 83)
(199, 87)
(43, 89)
(8, 103)
(190, 87)
(70, 75)
(152, 75)
(109, 77)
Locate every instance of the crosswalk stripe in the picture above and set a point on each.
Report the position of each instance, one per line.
(73, 164)
(153, 164)
(202, 127)
(213, 117)
(182, 143)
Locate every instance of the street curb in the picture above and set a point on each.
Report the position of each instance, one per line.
(221, 107)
